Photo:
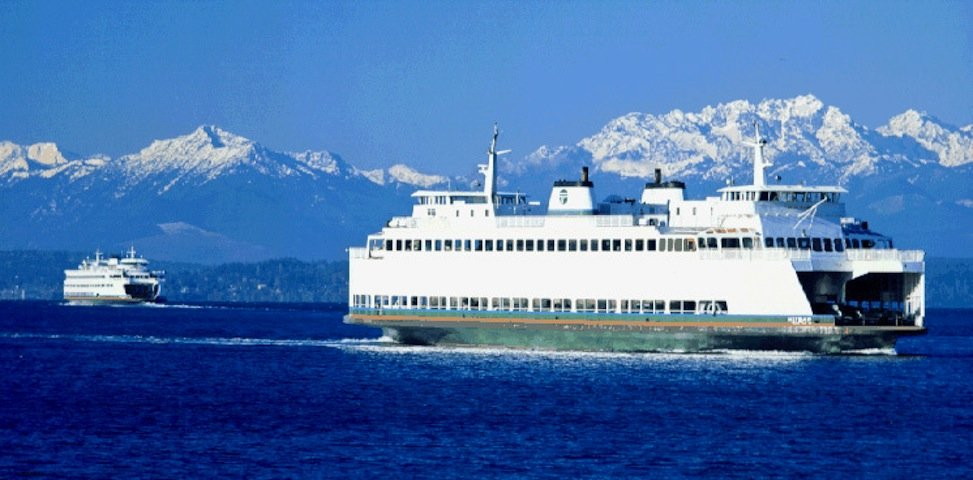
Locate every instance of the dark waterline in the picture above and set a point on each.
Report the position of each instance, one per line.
(270, 391)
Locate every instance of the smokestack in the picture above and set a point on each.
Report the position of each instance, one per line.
(658, 176)
(584, 174)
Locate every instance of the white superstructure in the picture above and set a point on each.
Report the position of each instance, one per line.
(124, 279)
(755, 253)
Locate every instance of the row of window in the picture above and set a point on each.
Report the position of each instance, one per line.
(88, 285)
(522, 304)
(531, 245)
(627, 245)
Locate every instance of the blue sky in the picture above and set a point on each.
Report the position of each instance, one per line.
(422, 82)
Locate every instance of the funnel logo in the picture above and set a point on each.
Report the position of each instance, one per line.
(562, 196)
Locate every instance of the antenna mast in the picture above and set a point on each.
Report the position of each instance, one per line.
(758, 158)
(489, 170)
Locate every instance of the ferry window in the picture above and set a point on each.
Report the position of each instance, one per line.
(546, 304)
(677, 210)
(710, 242)
(562, 245)
(428, 245)
(779, 241)
(650, 245)
(624, 306)
(855, 243)
(529, 245)
(448, 245)
(804, 243)
(748, 243)
(520, 245)
(689, 306)
(602, 305)
(616, 245)
(606, 245)
(438, 245)
(690, 245)
(510, 245)
(816, 244)
(572, 245)
(791, 242)
(495, 303)
(839, 246)
(550, 245)
(478, 245)
(488, 245)
(474, 303)
(612, 305)
(583, 245)
(388, 245)
(594, 245)
(730, 242)
(827, 245)
(721, 306)
(628, 244)
(414, 302)
(467, 245)
(639, 245)
(890, 244)
(764, 196)
(769, 242)
(675, 306)
(434, 302)
(505, 303)
(702, 243)
(677, 242)
(540, 245)
(868, 243)
(662, 244)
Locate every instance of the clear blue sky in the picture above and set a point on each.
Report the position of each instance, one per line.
(422, 82)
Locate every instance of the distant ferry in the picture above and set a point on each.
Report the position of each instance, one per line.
(112, 280)
(765, 267)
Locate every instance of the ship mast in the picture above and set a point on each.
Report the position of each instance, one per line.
(758, 158)
(489, 170)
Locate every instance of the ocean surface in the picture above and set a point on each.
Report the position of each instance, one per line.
(265, 391)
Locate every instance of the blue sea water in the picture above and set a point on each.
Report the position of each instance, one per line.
(263, 391)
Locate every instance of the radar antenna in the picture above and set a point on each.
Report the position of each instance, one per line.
(489, 170)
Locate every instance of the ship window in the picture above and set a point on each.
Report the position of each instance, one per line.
(791, 242)
(616, 245)
(495, 303)
(779, 242)
(467, 245)
(628, 244)
(583, 245)
(639, 245)
(510, 245)
(540, 245)
(594, 245)
(499, 245)
(675, 306)
(505, 302)
(816, 244)
(388, 245)
(748, 243)
(677, 243)
(721, 306)
(529, 245)
(650, 245)
(408, 245)
(448, 245)
(606, 245)
(764, 196)
(804, 243)
(478, 245)
(828, 245)
(855, 243)
(434, 302)
(689, 306)
(839, 246)
(868, 243)
(730, 242)
(572, 245)
(550, 245)
(562, 245)
(546, 304)
(690, 245)
(710, 242)
(769, 242)
(428, 245)
(702, 243)
(520, 245)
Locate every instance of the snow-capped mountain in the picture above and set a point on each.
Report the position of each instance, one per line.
(215, 196)
(914, 174)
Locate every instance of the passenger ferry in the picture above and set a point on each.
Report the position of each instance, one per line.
(766, 267)
(112, 280)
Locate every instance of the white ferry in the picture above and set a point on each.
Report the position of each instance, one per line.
(767, 267)
(112, 280)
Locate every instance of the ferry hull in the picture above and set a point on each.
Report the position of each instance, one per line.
(643, 338)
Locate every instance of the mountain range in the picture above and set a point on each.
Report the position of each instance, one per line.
(212, 196)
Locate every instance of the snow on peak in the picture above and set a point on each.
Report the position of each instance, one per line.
(46, 154)
(954, 148)
(405, 174)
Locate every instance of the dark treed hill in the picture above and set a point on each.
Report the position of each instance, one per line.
(39, 275)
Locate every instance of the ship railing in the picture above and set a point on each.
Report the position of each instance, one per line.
(905, 256)
(532, 221)
(402, 222)
(755, 254)
(359, 252)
